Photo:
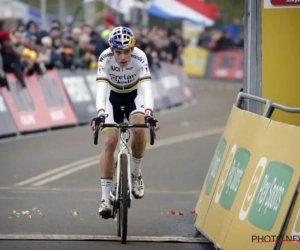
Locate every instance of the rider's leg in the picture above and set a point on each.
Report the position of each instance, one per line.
(110, 140)
(139, 142)
(138, 147)
(106, 166)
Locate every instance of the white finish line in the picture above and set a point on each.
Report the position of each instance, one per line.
(63, 237)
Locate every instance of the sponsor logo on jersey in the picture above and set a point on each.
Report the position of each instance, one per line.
(113, 68)
(123, 79)
(100, 71)
(104, 56)
(145, 69)
(139, 58)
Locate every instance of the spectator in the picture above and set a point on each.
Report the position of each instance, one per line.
(10, 58)
(3, 79)
(224, 42)
(44, 53)
(32, 28)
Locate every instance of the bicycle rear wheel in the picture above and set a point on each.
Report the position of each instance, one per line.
(123, 209)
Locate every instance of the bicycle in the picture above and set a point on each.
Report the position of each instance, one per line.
(123, 184)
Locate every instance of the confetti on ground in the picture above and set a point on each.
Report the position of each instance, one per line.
(192, 211)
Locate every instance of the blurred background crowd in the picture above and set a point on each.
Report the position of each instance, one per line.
(28, 50)
(225, 38)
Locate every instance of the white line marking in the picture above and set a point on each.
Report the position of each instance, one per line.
(186, 137)
(91, 161)
(33, 192)
(19, 198)
(103, 238)
(67, 172)
(54, 171)
(97, 190)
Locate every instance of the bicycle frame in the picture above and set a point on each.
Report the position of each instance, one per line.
(123, 149)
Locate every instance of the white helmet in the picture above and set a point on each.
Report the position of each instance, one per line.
(121, 38)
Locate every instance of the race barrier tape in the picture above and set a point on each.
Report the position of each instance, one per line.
(62, 98)
(249, 198)
(221, 65)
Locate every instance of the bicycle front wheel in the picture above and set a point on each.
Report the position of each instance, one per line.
(123, 210)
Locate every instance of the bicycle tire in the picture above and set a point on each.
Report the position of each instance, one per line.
(123, 212)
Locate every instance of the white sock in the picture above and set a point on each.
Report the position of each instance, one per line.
(106, 188)
(136, 165)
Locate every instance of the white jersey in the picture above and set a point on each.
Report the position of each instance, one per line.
(111, 76)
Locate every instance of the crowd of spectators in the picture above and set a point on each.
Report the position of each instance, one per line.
(223, 38)
(28, 50)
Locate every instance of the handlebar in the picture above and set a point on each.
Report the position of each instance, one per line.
(125, 126)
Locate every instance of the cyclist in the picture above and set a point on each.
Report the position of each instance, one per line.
(123, 79)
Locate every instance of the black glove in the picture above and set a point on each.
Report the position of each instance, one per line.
(98, 120)
(149, 119)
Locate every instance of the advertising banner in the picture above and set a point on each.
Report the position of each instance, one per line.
(267, 189)
(25, 105)
(235, 172)
(54, 99)
(7, 124)
(79, 95)
(216, 167)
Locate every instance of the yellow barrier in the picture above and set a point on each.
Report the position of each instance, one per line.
(270, 184)
(250, 186)
(215, 170)
(195, 61)
(229, 190)
(280, 81)
(293, 229)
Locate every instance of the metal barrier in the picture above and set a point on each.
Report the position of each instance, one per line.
(273, 106)
(67, 98)
(242, 96)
